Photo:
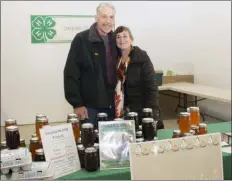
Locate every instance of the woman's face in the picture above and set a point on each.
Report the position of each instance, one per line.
(123, 40)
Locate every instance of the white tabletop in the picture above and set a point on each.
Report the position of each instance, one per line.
(202, 91)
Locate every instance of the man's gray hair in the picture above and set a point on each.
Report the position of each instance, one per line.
(103, 5)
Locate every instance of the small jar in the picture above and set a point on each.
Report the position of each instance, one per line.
(96, 145)
(3, 145)
(194, 115)
(10, 122)
(96, 136)
(147, 113)
(12, 137)
(22, 143)
(39, 155)
(195, 129)
(176, 134)
(101, 117)
(203, 128)
(134, 116)
(91, 159)
(139, 134)
(75, 127)
(148, 129)
(81, 153)
(40, 122)
(184, 122)
(87, 135)
(139, 140)
(34, 145)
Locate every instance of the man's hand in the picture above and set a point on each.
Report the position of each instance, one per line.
(81, 112)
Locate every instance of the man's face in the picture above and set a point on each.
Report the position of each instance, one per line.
(105, 20)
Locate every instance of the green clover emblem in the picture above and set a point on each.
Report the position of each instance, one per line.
(42, 28)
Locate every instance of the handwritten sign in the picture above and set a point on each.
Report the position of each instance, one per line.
(59, 146)
(187, 158)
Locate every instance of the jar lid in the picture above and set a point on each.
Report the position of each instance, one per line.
(184, 114)
(34, 140)
(148, 120)
(139, 133)
(118, 119)
(80, 147)
(33, 135)
(72, 115)
(177, 132)
(147, 110)
(87, 125)
(3, 143)
(194, 127)
(73, 120)
(40, 116)
(102, 114)
(90, 150)
(139, 140)
(194, 109)
(131, 114)
(39, 151)
(202, 125)
(96, 145)
(12, 128)
(10, 121)
(42, 120)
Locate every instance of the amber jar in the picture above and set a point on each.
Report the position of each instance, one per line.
(195, 129)
(75, 127)
(91, 159)
(148, 129)
(87, 135)
(203, 128)
(22, 143)
(39, 155)
(34, 145)
(10, 122)
(194, 115)
(40, 122)
(3, 145)
(12, 137)
(184, 122)
(176, 134)
(81, 153)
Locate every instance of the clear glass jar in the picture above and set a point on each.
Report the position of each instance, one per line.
(203, 128)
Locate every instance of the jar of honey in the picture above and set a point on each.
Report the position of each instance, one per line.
(3, 145)
(176, 134)
(87, 135)
(39, 155)
(34, 145)
(10, 122)
(12, 137)
(40, 122)
(148, 129)
(91, 159)
(76, 128)
(184, 122)
(203, 128)
(194, 115)
(22, 143)
(195, 129)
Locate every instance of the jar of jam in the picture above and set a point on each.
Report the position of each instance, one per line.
(96, 145)
(39, 155)
(147, 113)
(40, 122)
(12, 137)
(22, 143)
(134, 116)
(81, 153)
(91, 159)
(34, 145)
(76, 128)
(194, 115)
(139, 134)
(10, 122)
(96, 136)
(3, 145)
(176, 134)
(71, 115)
(87, 135)
(203, 128)
(184, 122)
(148, 129)
(195, 129)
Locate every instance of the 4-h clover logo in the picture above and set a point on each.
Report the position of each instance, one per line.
(42, 29)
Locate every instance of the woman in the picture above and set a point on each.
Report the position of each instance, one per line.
(136, 85)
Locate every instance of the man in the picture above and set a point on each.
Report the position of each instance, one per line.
(89, 73)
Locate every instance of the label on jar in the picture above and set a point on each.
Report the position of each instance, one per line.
(13, 154)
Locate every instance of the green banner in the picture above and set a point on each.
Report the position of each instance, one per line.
(58, 28)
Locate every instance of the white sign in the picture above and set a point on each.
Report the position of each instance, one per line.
(187, 158)
(60, 147)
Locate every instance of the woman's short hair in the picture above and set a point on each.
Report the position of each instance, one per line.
(120, 29)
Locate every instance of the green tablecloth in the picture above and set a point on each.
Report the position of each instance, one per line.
(124, 174)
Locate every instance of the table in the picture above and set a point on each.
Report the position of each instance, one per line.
(124, 174)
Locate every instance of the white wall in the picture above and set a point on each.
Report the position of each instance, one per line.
(171, 33)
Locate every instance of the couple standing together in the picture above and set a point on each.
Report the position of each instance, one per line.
(104, 72)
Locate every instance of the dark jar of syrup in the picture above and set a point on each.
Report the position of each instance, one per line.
(39, 155)
(12, 137)
(91, 159)
(81, 153)
(148, 129)
(87, 135)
